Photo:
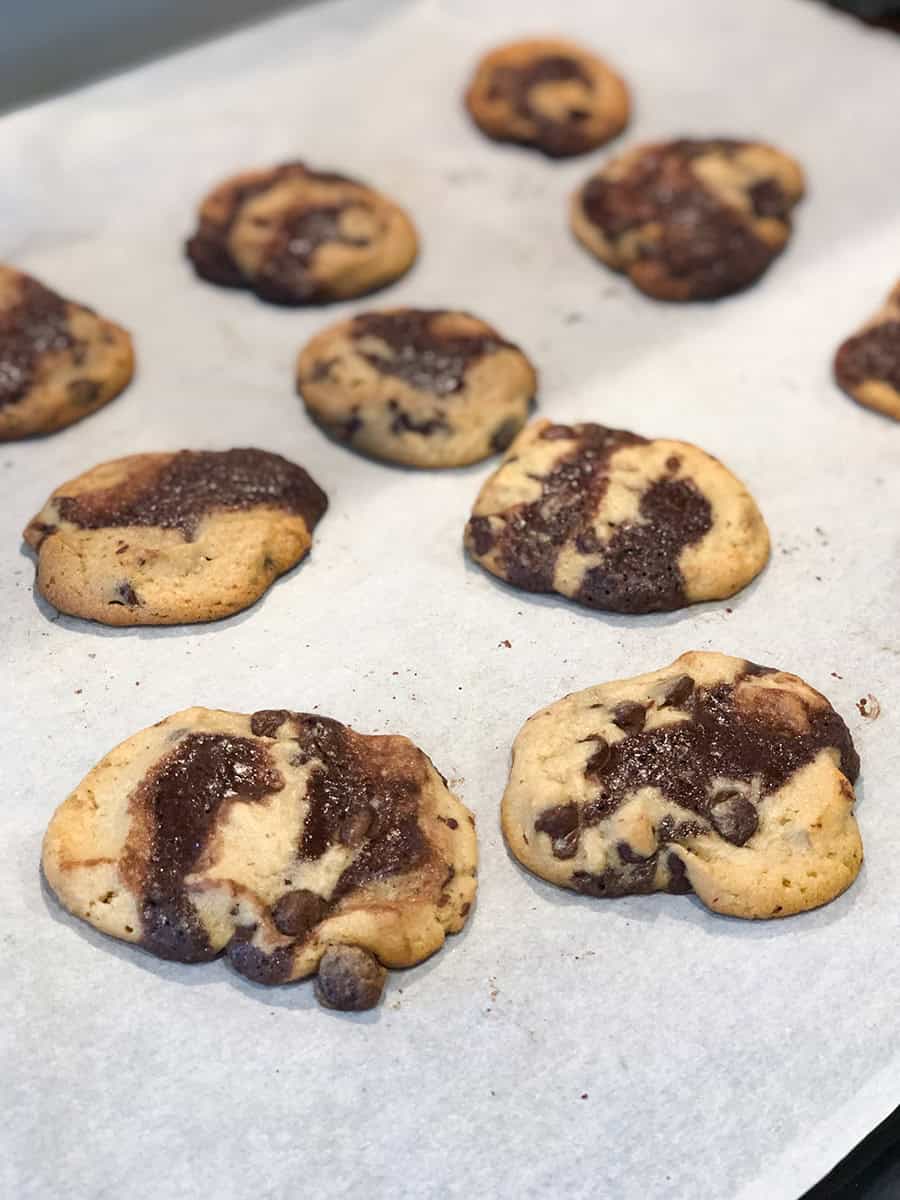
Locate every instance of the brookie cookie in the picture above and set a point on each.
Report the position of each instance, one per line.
(158, 539)
(713, 775)
(550, 94)
(867, 365)
(297, 236)
(616, 521)
(690, 220)
(287, 840)
(59, 361)
(427, 388)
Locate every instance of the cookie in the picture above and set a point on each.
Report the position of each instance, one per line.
(550, 94)
(160, 539)
(867, 365)
(616, 521)
(712, 775)
(690, 219)
(59, 361)
(286, 840)
(294, 235)
(423, 387)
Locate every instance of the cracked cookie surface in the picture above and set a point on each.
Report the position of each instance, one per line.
(160, 539)
(59, 361)
(712, 775)
(286, 840)
(867, 365)
(295, 236)
(693, 219)
(616, 521)
(548, 93)
(422, 387)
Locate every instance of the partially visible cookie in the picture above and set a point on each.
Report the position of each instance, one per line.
(548, 93)
(424, 387)
(298, 236)
(712, 775)
(690, 219)
(158, 539)
(616, 521)
(285, 839)
(867, 365)
(59, 361)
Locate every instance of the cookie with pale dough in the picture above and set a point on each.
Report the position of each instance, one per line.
(160, 539)
(550, 94)
(867, 365)
(422, 387)
(287, 841)
(692, 219)
(59, 361)
(616, 521)
(712, 775)
(295, 235)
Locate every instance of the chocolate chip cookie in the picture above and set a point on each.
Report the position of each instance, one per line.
(690, 219)
(427, 388)
(867, 365)
(294, 235)
(158, 539)
(712, 775)
(287, 840)
(616, 521)
(550, 94)
(59, 361)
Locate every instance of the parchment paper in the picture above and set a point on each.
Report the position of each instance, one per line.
(560, 1046)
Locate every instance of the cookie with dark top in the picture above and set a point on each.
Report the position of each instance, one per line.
(690, 219)
(616, 521)
(712, 775)
(158, 539)
(286, 840)
(423, 387)
(294, 235)
(867, 365)
(548, 93)
(59, 361)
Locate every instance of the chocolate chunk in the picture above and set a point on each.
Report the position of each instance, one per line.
(127, 595)
(734, 817)
(176, 809)
(557, 138)
(268, 721)
(419, 353)
(297, 912)
(482, 534)
(557, 821)
(677, 692)
(768, 199)
(192, 484)
(84, 391)
(628, 854)
(599, 758)
(254, 963)
(679, 884)
(565, 847)
(350, 979)
(404, 422)
(36, 325)
(630, 716)
(871, 355)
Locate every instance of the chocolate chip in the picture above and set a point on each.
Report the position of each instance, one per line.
(628, 854)
(630, 716)
(565, 847)
(673, 462)
(84, 391)
(677, 692)
(481, 534)
(298, 911)
(127, 595)
(350, 979)
(679, 884)
(734, 817)
(557, 821)
(599, 758)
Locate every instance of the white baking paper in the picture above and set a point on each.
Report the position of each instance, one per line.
(629, 1049)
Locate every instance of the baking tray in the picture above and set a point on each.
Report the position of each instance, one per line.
(637, 1048)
